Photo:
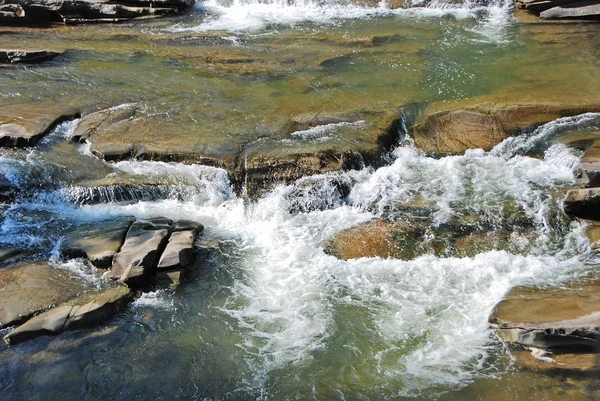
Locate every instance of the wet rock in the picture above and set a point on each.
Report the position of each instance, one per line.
(135, 263)
(102, 120)
(583, 203)
(592, 233)
(171, 278)
(98, 241)
(29, 288)
(548, 362)
(563, 320)
(578, 9)
(479, 242)
(180, 252)
(11, 255)
(11, 14)
(452, 132)
(19, 127)
(26, 56)
(41, 12)
(81, 313)
(379, 238)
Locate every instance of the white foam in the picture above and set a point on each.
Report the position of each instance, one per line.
(255, 15)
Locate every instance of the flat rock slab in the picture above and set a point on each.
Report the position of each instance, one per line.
(579, 9)
(20, 127)
(583, 203)
(10, 56)
(180, 252)
(144, 243)
(81, 313)
(29, 288)
(560, 320)
(99, 241)
(453, 132)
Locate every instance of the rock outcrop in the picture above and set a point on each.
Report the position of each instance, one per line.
(46, 12)
(99, 242)
(84, 312)
(557, 324)
(29, 288)
(558, 9)
(135, 263)
(452, 132)
(19, 127)
(583, 203)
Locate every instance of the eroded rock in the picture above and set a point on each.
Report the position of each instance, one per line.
(135, 263)
(565, 320)
(583, 203)
(98, 241)
(20, 127)
(84, 312)
(29, 288)
(180, 252)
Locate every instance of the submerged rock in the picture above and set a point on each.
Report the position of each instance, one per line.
(139, 255)
(26, 56)
(32, 287)
(98, 241)
(81, 313)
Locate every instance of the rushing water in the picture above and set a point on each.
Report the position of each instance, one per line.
(272, 316)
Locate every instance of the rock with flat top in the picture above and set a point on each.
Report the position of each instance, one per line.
(180, 251)
(29, 288)
(99, 241)
(136, 262)
(81, 313)
(583, 203)
(579, 9)
(565, 320)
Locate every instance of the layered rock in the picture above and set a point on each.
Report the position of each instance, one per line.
(19, 127)
(179, 253)
(561, 323)
(41, 12)
(29, 288)
(452, 132)
(557, 9)
(583, 203)
(144, 243)
(99, 242)
(81, 313)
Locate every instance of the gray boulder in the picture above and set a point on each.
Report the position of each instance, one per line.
(81, 313)
(180, 251)
(136, 262)
(99, 241)
(29, 288)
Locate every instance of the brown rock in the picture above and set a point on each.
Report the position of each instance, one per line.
(139, 255)
(453, 132)
(20, 127)
(170, 279)
(583, 203)
(81, 313)
(565, 320)
(29, 288)
(99, 241)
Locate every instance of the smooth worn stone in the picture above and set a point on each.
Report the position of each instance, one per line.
(579, 9)
(180, 252)
(84, 312)
(145, 241)
(32, 287)
(583, 203)
(548, 362)
(99, 241)
(452, 132)
(25, 127)
(592, 233)
(10, 56)
(559, 319)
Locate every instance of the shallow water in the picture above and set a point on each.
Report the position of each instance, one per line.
(271, 316)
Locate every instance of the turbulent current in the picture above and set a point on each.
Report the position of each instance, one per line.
(286, 320)
(272, 315)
